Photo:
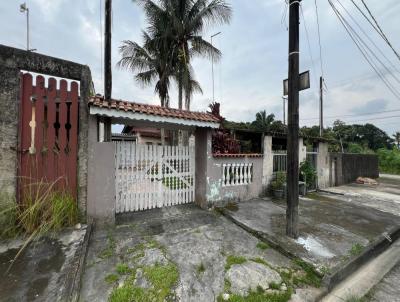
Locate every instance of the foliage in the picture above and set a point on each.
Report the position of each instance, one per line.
(201, 268)
(397, 139)
(357, 148)
(232, 260)
(122, 268)
(41, 211)
(279, 182)
(223, 143)
(311, 277)
(259, 296)
(162, 277)
(262, 245)
(307, 173)
(356, 249)
(389, 161)
(111, 278)
(174, 37)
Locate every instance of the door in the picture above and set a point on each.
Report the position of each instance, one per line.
(48, 132)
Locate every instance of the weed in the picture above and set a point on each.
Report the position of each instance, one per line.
(128, 293)
(310, 277)
(259, 296)
(200, 268)
(227, 285)
(274, 285)
(262, 245)
(232, 260)
(356, 249)
(122, 268)
(109, 250)
(163, 278)
(111, 278)
(261, 261)
(354, 299)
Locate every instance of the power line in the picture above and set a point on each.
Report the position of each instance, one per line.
(373, 43)
(308, 43)
(352, 115)
(319, 39)
(373, 119)
(353, 35)
(380, 30)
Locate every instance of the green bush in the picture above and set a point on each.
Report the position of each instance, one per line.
(307, 173)
(389, 161)
(279, 182)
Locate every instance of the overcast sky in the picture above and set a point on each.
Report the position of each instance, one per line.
(254, 46)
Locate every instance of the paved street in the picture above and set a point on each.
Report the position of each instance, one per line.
(388, 290)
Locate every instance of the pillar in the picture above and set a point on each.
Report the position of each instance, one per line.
(268, 161)
(203, 154)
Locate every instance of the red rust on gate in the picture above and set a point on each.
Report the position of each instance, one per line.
(48, 132)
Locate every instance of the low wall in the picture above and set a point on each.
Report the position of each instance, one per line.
(218, 191)
(346, 167)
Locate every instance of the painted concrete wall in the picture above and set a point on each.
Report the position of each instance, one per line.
(101, 183)
(323, 164)
(203, 155)
(268, 162)
(216, 192)
(12, 61)
(302, 151)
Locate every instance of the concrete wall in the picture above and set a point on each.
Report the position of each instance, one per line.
(203, 155)
(323, 164)
(346, 167)
(101, 183)
(216, 192)
(268, 162)
(12, 61)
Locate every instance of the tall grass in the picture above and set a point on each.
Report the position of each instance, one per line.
(389, 161)
(42, 210)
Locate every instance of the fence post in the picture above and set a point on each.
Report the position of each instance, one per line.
(323, 165)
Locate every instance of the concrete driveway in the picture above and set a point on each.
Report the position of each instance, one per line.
(384, 197)
(183, 253)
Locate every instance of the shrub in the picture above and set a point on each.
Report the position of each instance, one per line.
(279, 182)
(307, 173)
(389, 160)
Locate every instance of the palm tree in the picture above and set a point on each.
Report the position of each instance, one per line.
(151, 63)
(263, 121)
(397, 138)
(181, 22)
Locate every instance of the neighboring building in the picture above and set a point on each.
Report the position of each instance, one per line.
(143, 136)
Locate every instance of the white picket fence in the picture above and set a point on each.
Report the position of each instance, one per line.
(237, 174)
(151, 176)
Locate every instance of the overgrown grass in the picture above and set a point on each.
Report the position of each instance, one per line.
(110, 249)
(355, 299)
(232, 260)
(389, 161)
(356, 249)
(310, 276)
(259, 296)
(111, 278)
(122, 269)
(262, 245)
(41, 211)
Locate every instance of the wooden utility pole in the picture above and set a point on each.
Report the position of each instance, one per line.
(321, 104)
(292, 211)
(107, 66)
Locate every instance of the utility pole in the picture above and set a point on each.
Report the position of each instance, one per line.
(212, 66)
(292, 210)
(321, 106)
(107, 66)
(284, 110)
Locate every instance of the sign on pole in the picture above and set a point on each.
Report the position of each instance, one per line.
(304, 82)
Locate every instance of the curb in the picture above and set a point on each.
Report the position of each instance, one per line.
(372, 250)
(330, 192)
(341, 272)
(73, 282)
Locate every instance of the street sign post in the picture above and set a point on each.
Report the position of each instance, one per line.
(304, 82)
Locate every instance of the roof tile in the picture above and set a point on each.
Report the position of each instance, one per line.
(99, 101)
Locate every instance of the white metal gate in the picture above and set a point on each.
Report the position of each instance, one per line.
(151, 176)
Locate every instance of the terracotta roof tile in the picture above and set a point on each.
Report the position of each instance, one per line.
(99, 101)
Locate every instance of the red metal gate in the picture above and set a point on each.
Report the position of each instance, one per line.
(48, 135)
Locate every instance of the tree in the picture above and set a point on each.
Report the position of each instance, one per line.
(397, 139)
(182, 22)
(263, 121)
(151, 63)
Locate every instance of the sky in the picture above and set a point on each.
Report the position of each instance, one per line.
(254, 48)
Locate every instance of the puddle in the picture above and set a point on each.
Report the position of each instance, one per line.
(315, 247)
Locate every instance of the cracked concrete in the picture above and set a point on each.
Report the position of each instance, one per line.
(192, 238)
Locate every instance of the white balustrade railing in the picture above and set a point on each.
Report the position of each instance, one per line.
(237, 174)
